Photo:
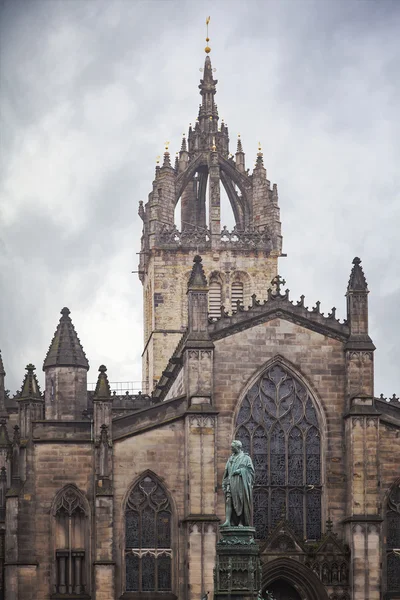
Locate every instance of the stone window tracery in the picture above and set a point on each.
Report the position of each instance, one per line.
(148, 553)
(278, 426)
(393, 540)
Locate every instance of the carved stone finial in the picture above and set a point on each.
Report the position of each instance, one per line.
(357, 281)
(30, 386)
(197, 278)
(277, 283)
(102, 391)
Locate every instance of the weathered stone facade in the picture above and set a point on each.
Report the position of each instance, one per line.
(105, 496)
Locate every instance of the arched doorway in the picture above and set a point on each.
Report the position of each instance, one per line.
(301, 582)
(282, 590)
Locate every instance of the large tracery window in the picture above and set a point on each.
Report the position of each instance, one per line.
(278, 426)
(393, 542)
(148, 553)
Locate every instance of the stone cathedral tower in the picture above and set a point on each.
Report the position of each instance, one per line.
(237, 263)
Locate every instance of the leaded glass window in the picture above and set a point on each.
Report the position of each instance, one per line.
(278, 426)
(393, 540)
(148, 554)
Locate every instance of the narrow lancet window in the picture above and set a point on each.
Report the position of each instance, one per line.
(148, 553)
(71, 543)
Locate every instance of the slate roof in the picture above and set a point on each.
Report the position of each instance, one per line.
(65, 349)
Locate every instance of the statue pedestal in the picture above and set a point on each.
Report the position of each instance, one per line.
(238, 567)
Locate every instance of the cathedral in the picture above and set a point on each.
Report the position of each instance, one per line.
(106, 496)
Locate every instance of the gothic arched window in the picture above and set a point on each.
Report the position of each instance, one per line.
(278, 426)
(393, 541)
(71, 540)
(148, 553)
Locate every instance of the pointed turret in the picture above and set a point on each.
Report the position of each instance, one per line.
(357, 281)
(30, 402)
(102, 391)
(30, 387)
(259, 166)
(197, 280)
(66, 369)
(357, 309)
(167, 160)
(65, 349)
(102, 403)
(240, 164)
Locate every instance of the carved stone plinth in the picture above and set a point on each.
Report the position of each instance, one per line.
(238, 567)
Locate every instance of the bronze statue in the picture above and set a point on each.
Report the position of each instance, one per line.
(238, 484)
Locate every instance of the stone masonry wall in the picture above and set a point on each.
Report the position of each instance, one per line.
(321, 362)
(169, 271)
(56, 465)
(162, 451)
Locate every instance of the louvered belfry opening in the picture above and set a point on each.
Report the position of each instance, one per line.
(214, 299)
(237, 294)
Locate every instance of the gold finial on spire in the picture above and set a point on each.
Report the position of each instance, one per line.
(214, 147)
(207, 49)
(158, 160)
(259, 148)
(166, 146)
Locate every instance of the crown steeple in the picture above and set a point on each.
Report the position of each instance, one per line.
(204, 172)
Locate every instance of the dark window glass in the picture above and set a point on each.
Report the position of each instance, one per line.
(278, 426)
(164, 573)
(313, 511)
(148, 535)
(260, 506)
(148, 573)
(132, 529)
(132, 573)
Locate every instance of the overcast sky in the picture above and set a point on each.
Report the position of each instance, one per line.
(91, 90)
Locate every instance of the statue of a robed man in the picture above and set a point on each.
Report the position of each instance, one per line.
(238, 484)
